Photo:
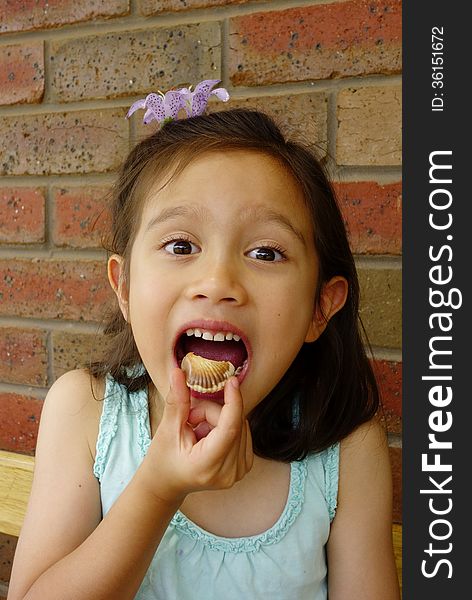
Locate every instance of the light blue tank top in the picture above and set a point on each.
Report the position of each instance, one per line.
(286, 562)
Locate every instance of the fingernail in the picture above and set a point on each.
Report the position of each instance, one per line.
(234, 382)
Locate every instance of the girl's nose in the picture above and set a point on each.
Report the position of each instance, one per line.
(219, 282)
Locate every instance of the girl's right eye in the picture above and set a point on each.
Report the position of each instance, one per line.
(180, 247)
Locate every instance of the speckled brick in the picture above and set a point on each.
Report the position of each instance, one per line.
(57, 143)
(23, 356)
(153, 7)
(324, 41)
(396, 463)
(301, 116)
(80, 216)
(54, 289)
(23, 15)
(77, 350)
(19, 421)
(21, 73)
(380, 307)
(389, 380)
(7, 552)
(369, 126)
(22, 215)
(138, 62)
(373, 216)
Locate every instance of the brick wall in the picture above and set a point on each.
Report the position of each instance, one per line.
(328, 70)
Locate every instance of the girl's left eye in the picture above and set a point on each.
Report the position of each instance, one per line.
(180, 247)
(266, 253)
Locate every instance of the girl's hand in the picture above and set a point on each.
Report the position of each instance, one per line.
(178, 462)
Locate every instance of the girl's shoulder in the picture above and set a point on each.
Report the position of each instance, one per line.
(364, 464)
(368, 438)
(77, 397)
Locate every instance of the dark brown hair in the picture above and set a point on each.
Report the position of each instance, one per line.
(330, 388)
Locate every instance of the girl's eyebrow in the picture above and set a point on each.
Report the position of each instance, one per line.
(172, 213)
(262, 213)
(251, 213)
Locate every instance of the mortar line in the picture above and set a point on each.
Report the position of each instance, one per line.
(383, 174)
(50, 358)
(67, 326)
(22, 389)
(47, 74)
(72, 179)
(224, 56)
(331, 134)
(378, 261)
(386, 354)
(394, 440)
(51, 253)
(133, 9)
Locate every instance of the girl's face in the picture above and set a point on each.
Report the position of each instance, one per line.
(227, 246)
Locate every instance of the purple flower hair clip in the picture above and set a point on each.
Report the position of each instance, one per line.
(165, 107)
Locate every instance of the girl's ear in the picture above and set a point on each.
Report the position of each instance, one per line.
(117, 279)
(333, 298)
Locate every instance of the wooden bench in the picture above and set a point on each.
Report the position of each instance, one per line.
(16, 474)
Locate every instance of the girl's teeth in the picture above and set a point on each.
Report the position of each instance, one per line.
(219, 336)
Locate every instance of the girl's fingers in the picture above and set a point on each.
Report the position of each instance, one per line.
(207, 410)
(177, 403)
(232, 412)
(249, 456)
(225, 437)
(202, 430)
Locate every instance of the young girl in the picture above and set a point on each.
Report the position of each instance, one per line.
(235, 454)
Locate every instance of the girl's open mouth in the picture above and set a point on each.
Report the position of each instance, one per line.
(211, 356)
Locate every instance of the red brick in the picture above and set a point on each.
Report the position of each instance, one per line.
(380, 308)
(22, 218)
(56, 143)
(373, 216)
(77, 350)
(389, 380)
(23, 356)
(22, 15)
(152, 7)
(324, 41)
(137, 62)
(81, 216)
(370, 126)
(21, 73)
(7, 552)
(54, 289)
(19, 421)
(396, 463)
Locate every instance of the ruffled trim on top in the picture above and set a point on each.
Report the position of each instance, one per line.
(108, 424)
(117, 398)
(330, 458)
(139, 401)
(296, 496)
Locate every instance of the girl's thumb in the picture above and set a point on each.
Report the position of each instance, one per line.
(177, 404)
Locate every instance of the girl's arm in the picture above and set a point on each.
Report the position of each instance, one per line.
(360, 552)
(65, 549)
